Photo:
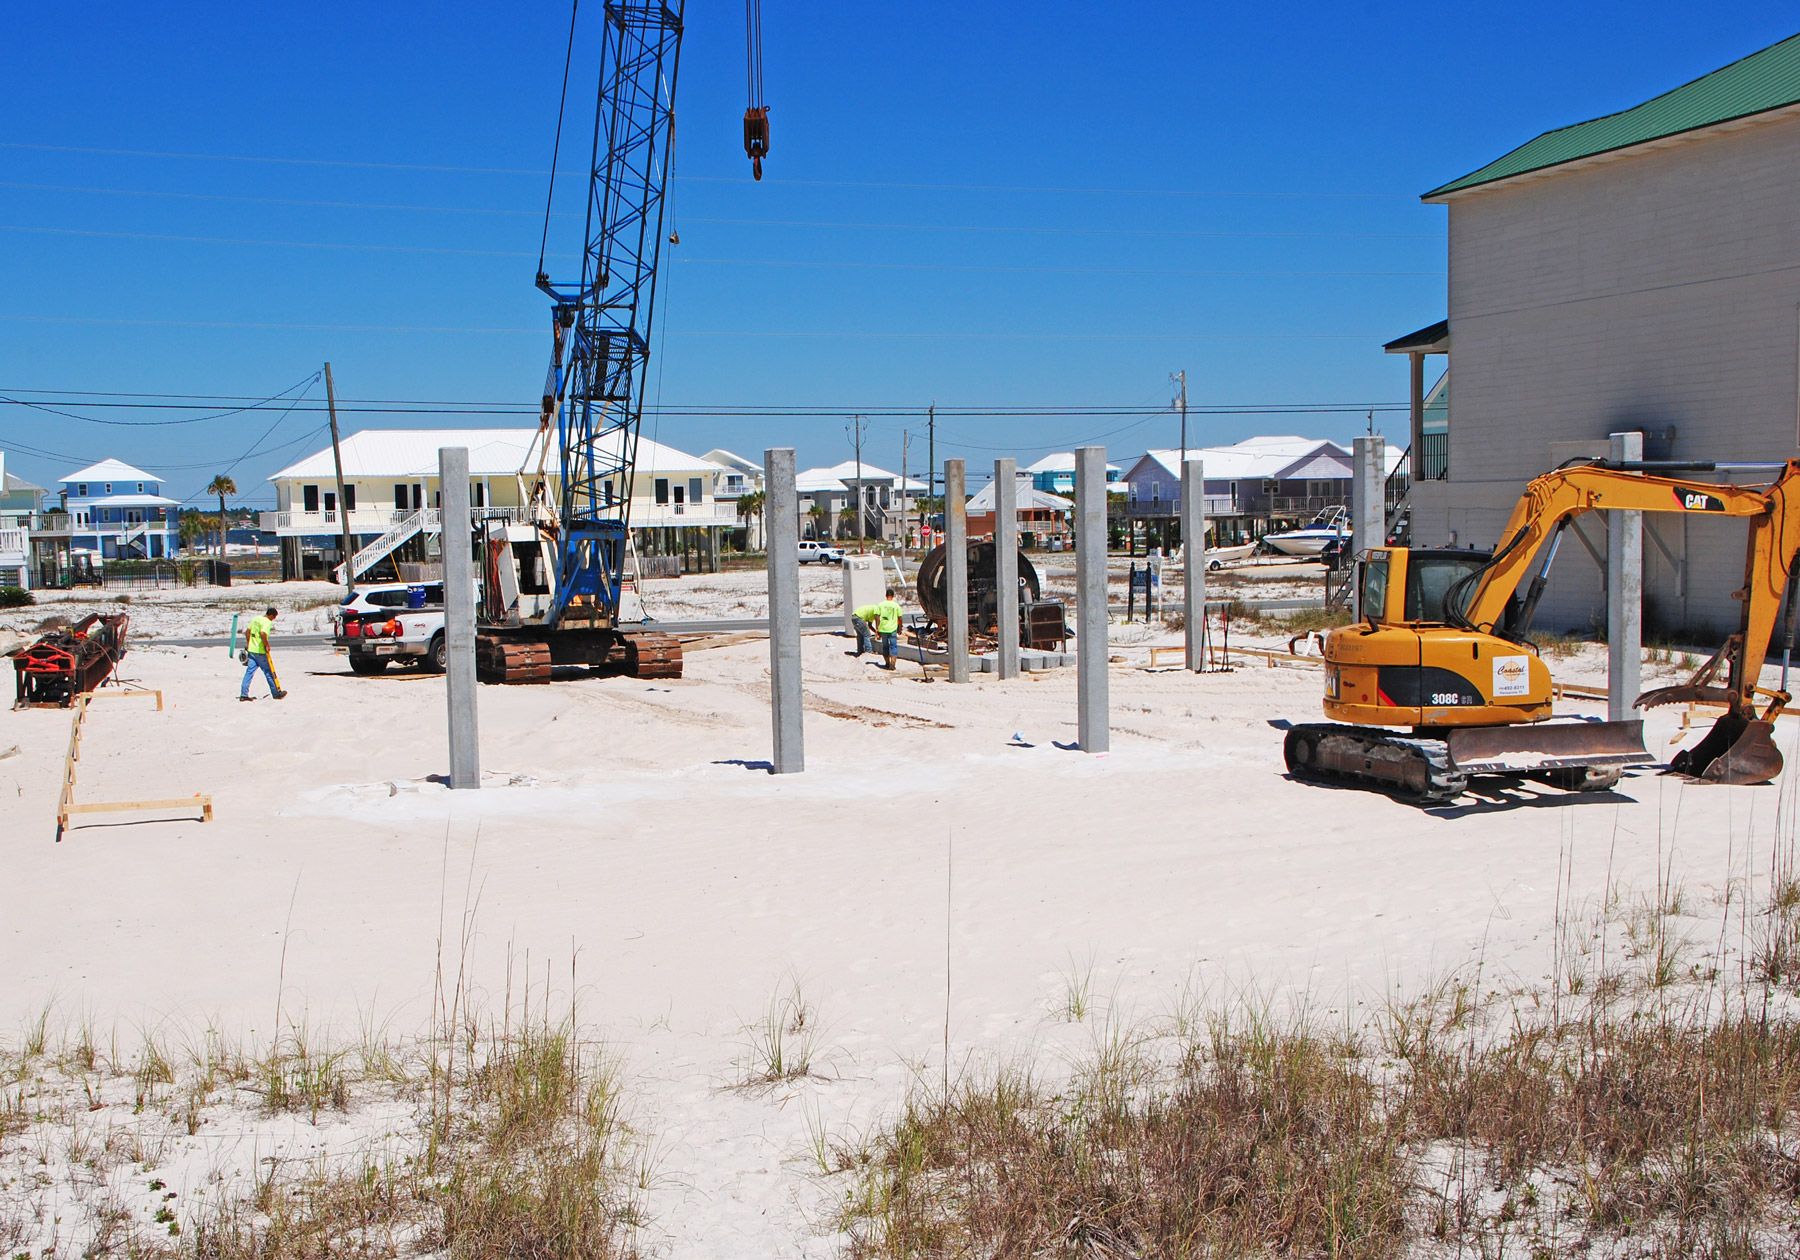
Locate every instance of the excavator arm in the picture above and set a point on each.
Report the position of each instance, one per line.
(1551, 501)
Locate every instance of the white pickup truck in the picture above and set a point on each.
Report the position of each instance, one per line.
(393, 622)
(812, 552)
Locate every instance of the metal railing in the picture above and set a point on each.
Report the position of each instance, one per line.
(1216, 505)
(1434, 456)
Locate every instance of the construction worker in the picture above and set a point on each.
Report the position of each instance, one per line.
(878, 619)
(255, 655)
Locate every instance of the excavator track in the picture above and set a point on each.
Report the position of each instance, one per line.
(508, 660)
(1410, 767)
(652, 655)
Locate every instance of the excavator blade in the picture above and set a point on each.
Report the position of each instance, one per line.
(1549, 746)
(1736, 750)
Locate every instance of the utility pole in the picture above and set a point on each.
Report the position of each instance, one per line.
(337, 459)
(930, 460)
(1180, 380)
(856, 436)
(905, 441)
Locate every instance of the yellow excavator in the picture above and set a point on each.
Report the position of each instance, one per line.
(1440, 680)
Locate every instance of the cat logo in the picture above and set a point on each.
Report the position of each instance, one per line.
(1698, 500)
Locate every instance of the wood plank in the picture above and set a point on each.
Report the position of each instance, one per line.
(196, 801)
(118, 692)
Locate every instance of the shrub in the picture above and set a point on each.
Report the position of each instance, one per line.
(16, 597)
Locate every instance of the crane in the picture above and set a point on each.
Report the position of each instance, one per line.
(1443, 648)
(552, 585)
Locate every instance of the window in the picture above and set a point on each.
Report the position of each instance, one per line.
(401, 497)
(330, 501)
(109, 487)
(1155, 491)
(140, 487)
(1373, 603)
(478, 493)
(696, 489)
(662, 489)
(81, 491)
(309, 498)
(1430, 578)
(349, 497)
(679, 495)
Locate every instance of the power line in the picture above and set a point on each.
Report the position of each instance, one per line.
(734, 333)
(383, 247)
(235, 411)
(756, 411)
(727, 221)
(539, 172)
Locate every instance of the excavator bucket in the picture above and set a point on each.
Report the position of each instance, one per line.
(1736, 750)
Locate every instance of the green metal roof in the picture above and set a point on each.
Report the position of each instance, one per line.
(1760, 82)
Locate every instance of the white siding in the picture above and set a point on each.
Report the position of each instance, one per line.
(1653, 291)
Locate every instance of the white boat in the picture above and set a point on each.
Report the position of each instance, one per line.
(1219, 556)
(1328, 526)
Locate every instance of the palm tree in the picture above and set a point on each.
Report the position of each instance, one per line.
(819, 512)
(221, 485)
(749, 508)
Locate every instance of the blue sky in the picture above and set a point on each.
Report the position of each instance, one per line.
(984, 205)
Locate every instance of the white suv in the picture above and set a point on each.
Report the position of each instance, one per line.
(811, 552)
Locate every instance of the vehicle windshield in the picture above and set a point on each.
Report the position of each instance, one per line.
(1429, 577)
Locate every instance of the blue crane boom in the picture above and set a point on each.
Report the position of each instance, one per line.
(593, 397)
(601, 324)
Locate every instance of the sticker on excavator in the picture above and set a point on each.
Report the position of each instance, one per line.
(1512, 676)
(1698, 500)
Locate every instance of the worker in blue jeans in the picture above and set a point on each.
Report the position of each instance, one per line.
(882, 620)
(255, 655)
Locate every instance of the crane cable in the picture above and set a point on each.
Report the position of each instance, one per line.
(556, 148)
(756, 115)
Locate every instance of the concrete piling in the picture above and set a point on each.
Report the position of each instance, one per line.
(459, 616)
(1006, 564)
(1193, 568)
(781, 517)
(1090, 599)
(1368, 497)
(1624, 595)
(956, 568)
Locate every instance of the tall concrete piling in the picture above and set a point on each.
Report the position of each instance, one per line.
(459, 616)
(1090, 599)
(1006, 564)
(956, 568)
(781, 520)
(1368, 498)
(1624, 594)
(1193, 568)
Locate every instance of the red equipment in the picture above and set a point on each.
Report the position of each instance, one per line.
(63, 664)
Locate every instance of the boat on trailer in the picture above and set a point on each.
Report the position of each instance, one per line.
(1331, 525)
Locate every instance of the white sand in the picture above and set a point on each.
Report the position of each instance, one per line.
(627, 823)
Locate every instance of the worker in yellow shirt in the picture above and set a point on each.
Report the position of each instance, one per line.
(255, 655)
(881, 619)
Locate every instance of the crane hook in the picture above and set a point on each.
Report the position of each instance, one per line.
(756, 137)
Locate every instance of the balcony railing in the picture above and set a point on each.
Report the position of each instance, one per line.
(364, 520)
(1216, 505)
(684, 515)
(13, 547)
